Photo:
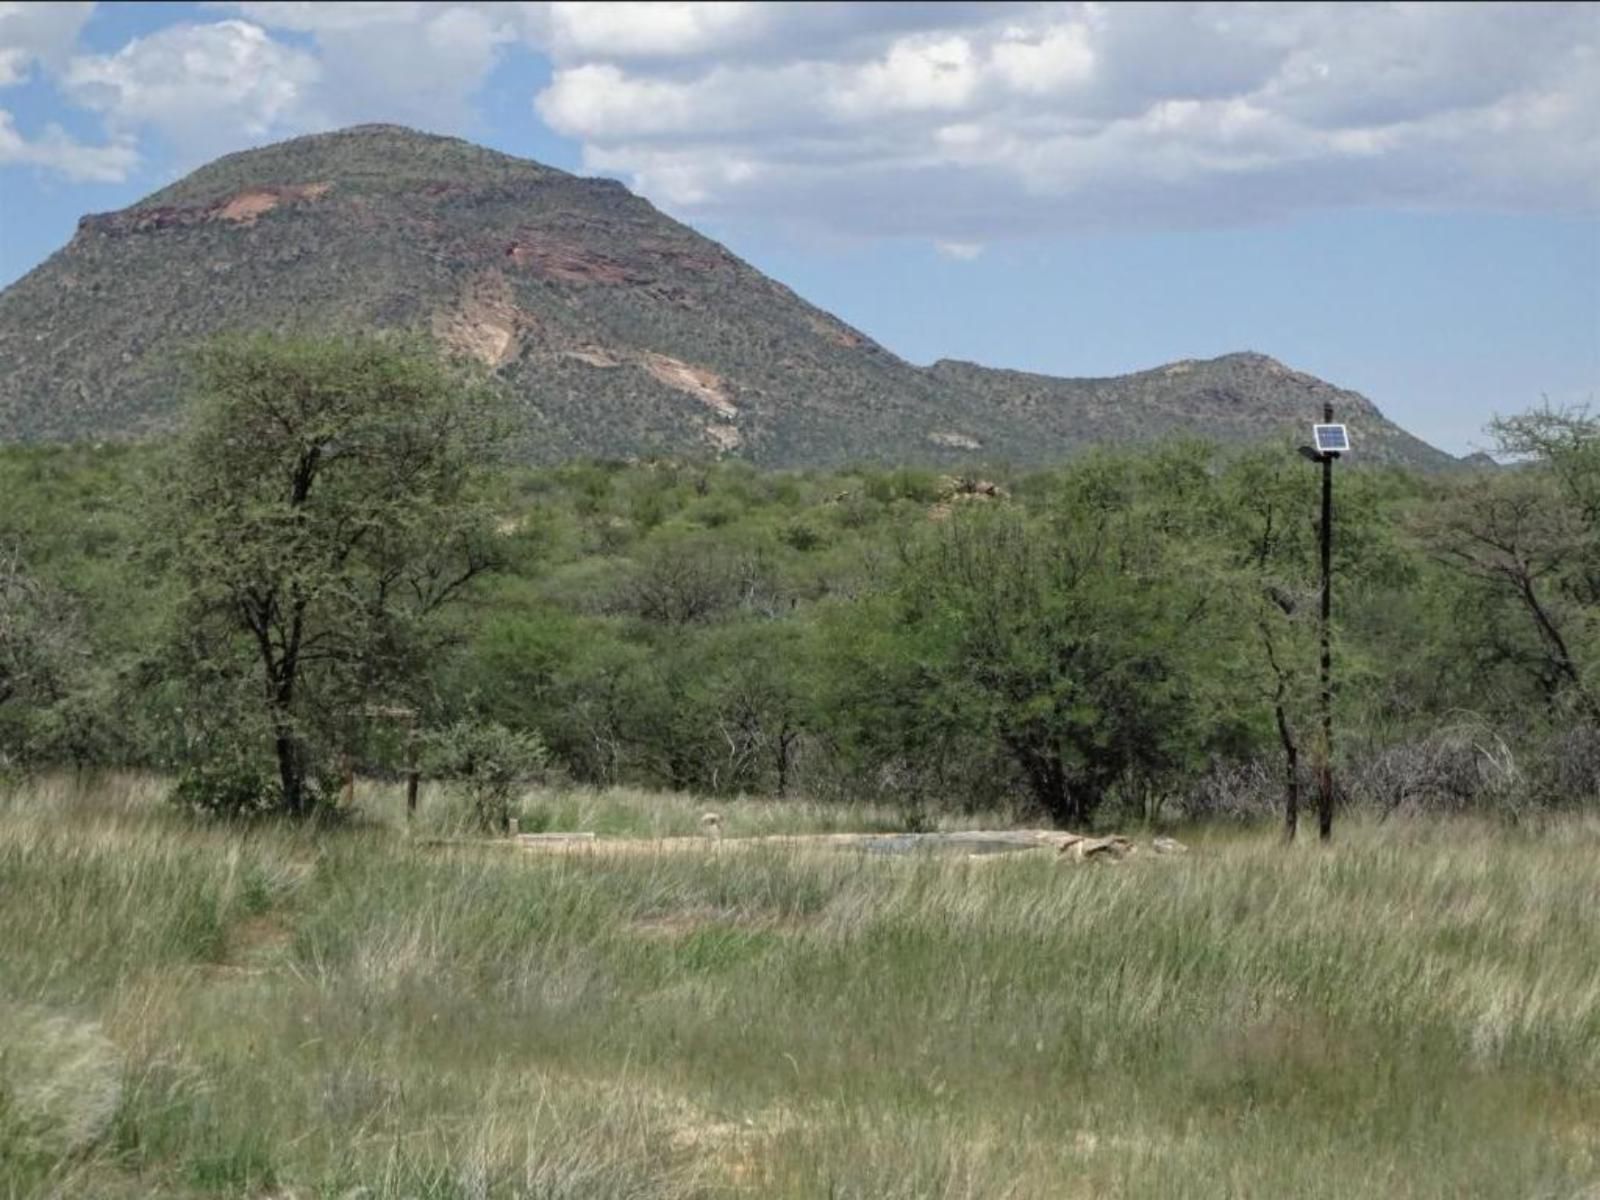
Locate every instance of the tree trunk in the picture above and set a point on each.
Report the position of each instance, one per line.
(1291, 767)
(412, 771)
(1047, 780)
(291, 770)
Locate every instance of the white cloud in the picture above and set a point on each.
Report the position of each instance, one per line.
(918, 74)
(659, 29)
(57, 151)
(207, 87)
(313, 16)
(416, 62)
(419, 69)
(34, 32)
(1047, 62)
(961, 125)
(961, 251)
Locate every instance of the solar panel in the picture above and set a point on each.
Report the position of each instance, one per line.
(1331, 439)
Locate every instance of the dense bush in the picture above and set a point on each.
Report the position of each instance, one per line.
(490, 763)
(1130, 636)
(229, 788)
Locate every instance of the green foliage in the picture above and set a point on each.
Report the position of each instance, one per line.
(323, 513)
(1129, 636)
(1525, 545)
(227, 787)
(1059, 643)
(492, 764)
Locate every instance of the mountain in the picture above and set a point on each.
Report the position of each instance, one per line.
(619, 330)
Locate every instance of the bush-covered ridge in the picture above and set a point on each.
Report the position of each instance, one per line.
(620, 331)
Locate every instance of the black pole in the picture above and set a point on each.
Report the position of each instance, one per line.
(1325, 766)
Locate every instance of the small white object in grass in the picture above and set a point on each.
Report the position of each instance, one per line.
(711, 822)
(1166, 845)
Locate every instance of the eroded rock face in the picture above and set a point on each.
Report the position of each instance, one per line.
(594, 356)
(487, 324)
(705, 386)
(242, 208)
(555, 260)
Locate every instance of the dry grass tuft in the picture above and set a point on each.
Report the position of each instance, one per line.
(191, 1010)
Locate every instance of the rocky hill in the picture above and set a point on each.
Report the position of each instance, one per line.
(619, 330)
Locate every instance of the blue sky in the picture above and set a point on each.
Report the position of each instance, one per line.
(1401, 199)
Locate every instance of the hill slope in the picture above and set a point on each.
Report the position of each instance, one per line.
(619, 330)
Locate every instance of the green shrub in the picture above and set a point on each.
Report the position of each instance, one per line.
(490, 763)
(229, 788)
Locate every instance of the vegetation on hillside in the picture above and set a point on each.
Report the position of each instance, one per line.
(618, 331)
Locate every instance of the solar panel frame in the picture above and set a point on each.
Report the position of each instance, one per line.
(1331, 439)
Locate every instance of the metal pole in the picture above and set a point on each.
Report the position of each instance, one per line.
(1325, 765)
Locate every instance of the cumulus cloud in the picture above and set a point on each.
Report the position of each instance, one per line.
(206, 87)
(215, 86)
(960, 123)
(967, 124)
(662, 30)
(415, 62)
(419, 69)
(312, 16)
(32, 33)
(670, 33)
(55, 150)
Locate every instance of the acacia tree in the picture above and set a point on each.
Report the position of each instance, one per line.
(1527, 540)
(324, 511)
(1062, 643)
(1269, 537)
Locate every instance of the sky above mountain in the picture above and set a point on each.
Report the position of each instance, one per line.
(1402, 199)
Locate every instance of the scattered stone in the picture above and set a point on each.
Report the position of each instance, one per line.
(1114, 848)
(1166, 845)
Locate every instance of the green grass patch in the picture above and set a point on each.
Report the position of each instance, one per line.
(191, 1010)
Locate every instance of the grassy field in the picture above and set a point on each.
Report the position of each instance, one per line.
(190, 1011)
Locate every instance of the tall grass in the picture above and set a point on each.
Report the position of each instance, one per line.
(205, 1011)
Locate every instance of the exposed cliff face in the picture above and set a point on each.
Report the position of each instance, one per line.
(620, 330)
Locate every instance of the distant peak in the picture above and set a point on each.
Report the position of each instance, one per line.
(1252, 358)
(378, 156)
(382, 127)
